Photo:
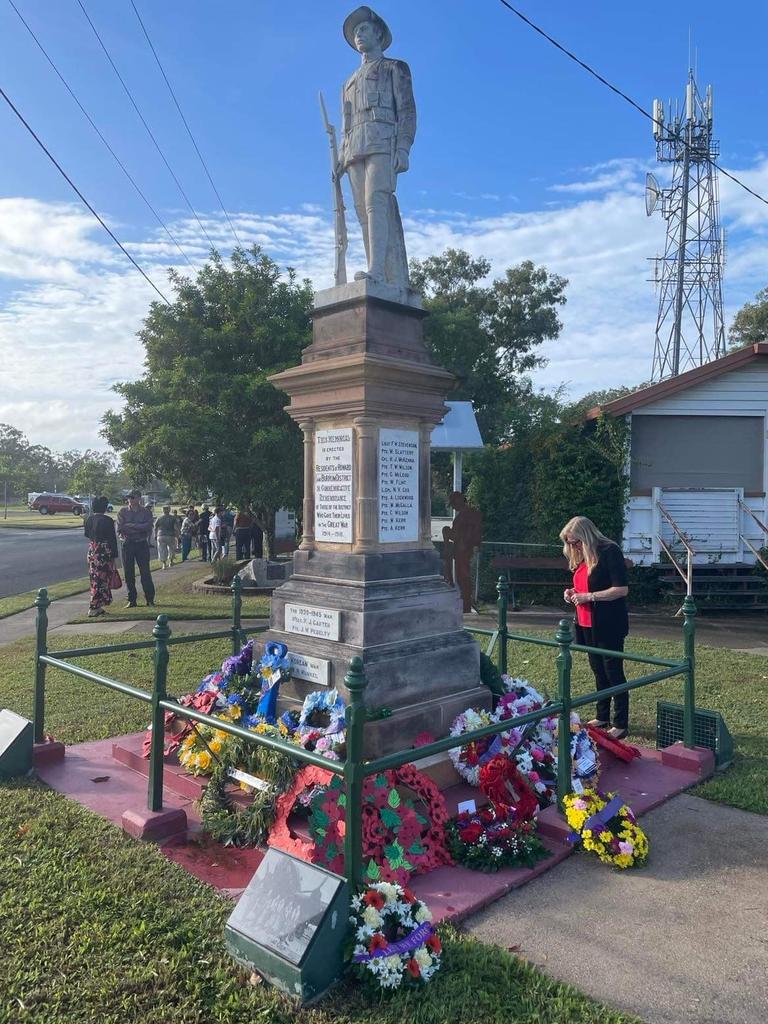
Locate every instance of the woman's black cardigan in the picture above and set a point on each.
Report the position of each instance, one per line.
(609, 618)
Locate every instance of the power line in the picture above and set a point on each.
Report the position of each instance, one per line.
(184, 120)
(95, 127)
(71, 183)
(129, 94)
(623, 95)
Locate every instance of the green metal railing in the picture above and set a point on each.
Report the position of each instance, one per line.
(355, 768)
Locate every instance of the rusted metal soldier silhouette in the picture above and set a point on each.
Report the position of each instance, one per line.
(461, 538)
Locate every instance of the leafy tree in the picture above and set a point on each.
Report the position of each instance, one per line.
(204, 416)
(750, 324)
(488, 334)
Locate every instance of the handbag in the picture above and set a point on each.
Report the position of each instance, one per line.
(116, 581)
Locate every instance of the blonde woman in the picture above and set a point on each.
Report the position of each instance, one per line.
(599, 595)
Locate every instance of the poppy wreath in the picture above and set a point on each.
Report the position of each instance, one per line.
(393, 942)
(508, 789)
(310, 779)
(225, 818)
(398, 840)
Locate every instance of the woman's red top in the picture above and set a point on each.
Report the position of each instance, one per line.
(581, 586)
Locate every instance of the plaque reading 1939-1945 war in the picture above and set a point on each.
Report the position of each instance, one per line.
(398, 485)
(320, 622)
(333, 486)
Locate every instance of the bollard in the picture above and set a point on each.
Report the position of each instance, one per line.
(502, 588)
(353, 772)
(689, 645)
(237, 605)
(42, 603)
(161, 633)
(564, 638)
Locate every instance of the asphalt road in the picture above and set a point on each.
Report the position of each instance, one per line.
(37, 558)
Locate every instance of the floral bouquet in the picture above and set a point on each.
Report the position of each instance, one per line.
(489, 840)
(393, 941)
(607, 827)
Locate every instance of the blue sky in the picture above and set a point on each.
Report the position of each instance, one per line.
(519, 154)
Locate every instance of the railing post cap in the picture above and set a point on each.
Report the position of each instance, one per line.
(161, 629)
(564, 631)
(355, 677)
(236, 583)
(42, 596)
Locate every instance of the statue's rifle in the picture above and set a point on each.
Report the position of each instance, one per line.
(340, 220)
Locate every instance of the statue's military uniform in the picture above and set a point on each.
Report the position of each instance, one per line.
(379, 111)
(379, 118)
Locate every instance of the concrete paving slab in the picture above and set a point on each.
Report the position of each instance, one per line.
(681, 941)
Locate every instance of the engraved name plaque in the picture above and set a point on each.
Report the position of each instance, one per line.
(315, 670)
(320, 622)
(398, 485)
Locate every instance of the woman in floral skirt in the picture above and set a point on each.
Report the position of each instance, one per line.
(102, 552)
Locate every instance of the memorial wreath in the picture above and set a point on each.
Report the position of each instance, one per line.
(393, 941)
(606, 826)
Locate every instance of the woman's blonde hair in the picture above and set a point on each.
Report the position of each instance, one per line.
(583, 529)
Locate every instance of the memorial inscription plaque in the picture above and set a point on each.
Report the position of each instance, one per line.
(398, 485)
(314, 670)
(333, 486)
(320, 622)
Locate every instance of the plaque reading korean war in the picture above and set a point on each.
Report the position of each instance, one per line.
(398, 485)
(333, 486)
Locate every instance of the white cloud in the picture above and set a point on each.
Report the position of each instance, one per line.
(73, 305)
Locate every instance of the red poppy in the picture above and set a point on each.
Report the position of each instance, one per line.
(413, 968)
(373, 898)
(377, 942)
(434, 943)
(471, 833)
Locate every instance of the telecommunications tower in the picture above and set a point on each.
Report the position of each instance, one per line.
(689, 326)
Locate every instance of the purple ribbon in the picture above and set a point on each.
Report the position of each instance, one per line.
(494, 749)
(417, 938)
(598, 819)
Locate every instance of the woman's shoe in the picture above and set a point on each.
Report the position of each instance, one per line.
(597, 724)
(618, 734)
(93, 612)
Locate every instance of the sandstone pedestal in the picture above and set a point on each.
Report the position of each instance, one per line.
(366, 578)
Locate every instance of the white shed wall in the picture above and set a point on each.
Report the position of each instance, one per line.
(741, 392)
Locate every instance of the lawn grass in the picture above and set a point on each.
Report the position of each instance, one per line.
(176, 599)
(99, 927)
(20, 518)
(730, 682)
(20, 602)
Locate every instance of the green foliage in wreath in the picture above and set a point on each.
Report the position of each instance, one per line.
(223, 817)
(490, 676)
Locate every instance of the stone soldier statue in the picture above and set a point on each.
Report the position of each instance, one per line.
(379, 125)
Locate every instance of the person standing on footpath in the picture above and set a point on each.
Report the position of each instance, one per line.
(599, 595)
(214, 533)
(202, 534)
(102, 553)
(134, 527)
(187, 533)
(165, 537)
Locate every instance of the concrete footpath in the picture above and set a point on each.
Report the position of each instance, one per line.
(681, 941)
